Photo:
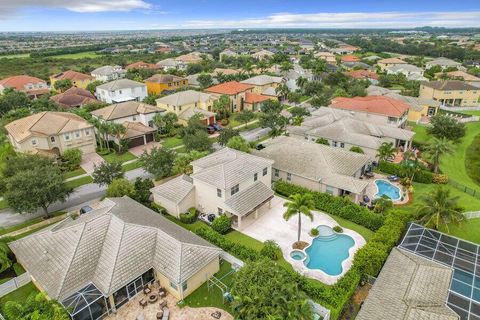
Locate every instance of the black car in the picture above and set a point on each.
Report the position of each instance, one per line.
(217, 126)
(260, 146)
(85, 209)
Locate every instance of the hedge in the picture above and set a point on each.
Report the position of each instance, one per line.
(423, 176)
(336, 206)
(189, 217)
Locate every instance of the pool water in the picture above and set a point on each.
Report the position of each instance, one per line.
(386, 188)
(297, 255)
(328, 251)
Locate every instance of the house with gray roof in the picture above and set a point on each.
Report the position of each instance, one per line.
(228, 182)
(264, 83)
(121, 90)
(108, 73)
(96, 263)
(444, 63)
(317, 167)
(410, 71)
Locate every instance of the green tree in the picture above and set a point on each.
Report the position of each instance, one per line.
(226, 134)
(205, 80)
(151, 99)
(385, 151)
(439, 209)
(12, 99)
(443, 126)
(118, 130)
(238, 143)
(182, 162)
(165, 122)
(357, 149)
(301, 82)
(142, 190)
(300, 204)
(282, 90)
(222, 106)
(92, 86)
(62, 85)
(436, 149)
(286, 66)
(271, 118)
(199, 141)
(120, 187)
(383, 204)
(271, 250)
(106, 172)
(294, 97)
(265, 290)
(5, 253)
(245, 116)
(72, 158)
(37, 307)
(159, 162)
(299, 112)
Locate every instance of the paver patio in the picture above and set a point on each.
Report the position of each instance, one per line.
(89, 160)
(271, 226)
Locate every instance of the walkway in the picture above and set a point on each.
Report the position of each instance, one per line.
(34, 226)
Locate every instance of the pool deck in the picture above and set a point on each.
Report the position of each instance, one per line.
(372, 189)
(272, 226)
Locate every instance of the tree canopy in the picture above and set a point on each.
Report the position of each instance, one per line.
(158, 162)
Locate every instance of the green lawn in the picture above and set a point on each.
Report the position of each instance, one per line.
(3, 204)
(27, 223)
(79, 182)
(18, 55)
(115, 157)
(19, 295)
(245, 240)
(472, 112)
(74, 173)
(79, 55)
(202, 297)
(172, 142)
(344, 223)
(132, 165)
(421, 135)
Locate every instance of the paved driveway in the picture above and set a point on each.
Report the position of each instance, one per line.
(89, 160)
(138, 150)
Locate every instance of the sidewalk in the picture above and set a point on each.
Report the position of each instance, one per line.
(34, 226)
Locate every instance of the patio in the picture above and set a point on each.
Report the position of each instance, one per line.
(272, 226)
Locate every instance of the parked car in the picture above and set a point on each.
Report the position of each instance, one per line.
(210, 129)
(260, 146)
(217, 126)
(85, 209)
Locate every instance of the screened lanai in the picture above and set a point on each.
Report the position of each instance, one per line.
(87, 304)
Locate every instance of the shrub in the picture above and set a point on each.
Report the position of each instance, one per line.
(222, 224)
(369, 260)
(338, 229)
(158, 208)
(322, 141)
(423, 176)
(120, 187)
(440, 178)
(314, 232)
(271, 250)
(190, 216)
(71, 159)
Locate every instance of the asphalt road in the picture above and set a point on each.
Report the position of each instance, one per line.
(83, 195)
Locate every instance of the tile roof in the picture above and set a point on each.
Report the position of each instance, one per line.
(230, 88)
(176, 189)
(110, 247)
(136, 129)
(164, 78)
(463, 75)
(125, 109)
(452, 85)
(251, 98)
(107, 70)
(414, 102)
(262, 80)
(362, 74)
(225, 71)
(141, 65)
(404, 67)
(74, 97)
(45, 123)
(71, 75)
(227, 167)
(443, 62)
(350, 58)
(185, 97)
(249, 199)
(391, 61)
(408, 288)
(372, 104)
(19, 82)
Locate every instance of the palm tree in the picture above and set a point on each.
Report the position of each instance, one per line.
(385, 151)
(300, 204)
(286, 66)
(407, 155)
(282, 90)
(118, 129)
(436, 149)
(301, 82)
(439, 209)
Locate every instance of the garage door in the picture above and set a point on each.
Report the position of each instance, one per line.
(136, 142)
(149, 137)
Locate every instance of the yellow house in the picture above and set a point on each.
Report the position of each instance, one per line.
(159, 83)
(421, 107)
(451, 93)
(389, 62)
(264, 83)
(79, 80)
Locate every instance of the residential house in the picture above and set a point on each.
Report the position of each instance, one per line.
(363, 75)
(264, 83)
(350, 58)
(224, 71)
(51, 133)
(135, 116)
(121, 90)
(342, 129)
(107, 257)
(317, 167)
(262, 55)
(235, 90)
(141, 65)
(389, 62)
(421, 109)
(353, 65)
(192, 57)
(254, 101)
(410, 71)
(165, 83)
(227, 53)
(32, 86)
(227, 182)
(326, 56)
(453, 93)
(187, 103)
(74, 98)
(79, 80)
(376, 109)
(108, 73)
(462, 75)
(171, 63)
(444, 63)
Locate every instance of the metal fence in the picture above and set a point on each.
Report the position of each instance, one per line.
(14, 284)
(464, 188)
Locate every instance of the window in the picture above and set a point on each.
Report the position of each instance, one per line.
(77, 135)
(329, 190)
(265, 171)
(184, 286)
(220, 211)
(219, 193)
(342, 145)
(134, 118)
(255, 177)
(334, 143)
(66, 136)
(289, 176)
(277, 173)
(34, 142)
(234, 189)
(87, 132)
(173, 285)
(52, 139)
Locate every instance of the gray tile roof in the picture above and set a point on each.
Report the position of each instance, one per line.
(125, 109)
(331, 166)
(449, 85)
(185, 97)
(247, 200)
(109, 247)
(176, 189)
(409, 287)
(120, 84)
(263, 79)
(227, 167)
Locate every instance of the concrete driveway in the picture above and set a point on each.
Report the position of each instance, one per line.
(89, 160)
(271, 226)
(138, 150)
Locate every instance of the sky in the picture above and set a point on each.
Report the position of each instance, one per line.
(84, 15)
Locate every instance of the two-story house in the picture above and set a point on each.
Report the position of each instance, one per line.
(376, 109)
(51, 133)
(78, 79)
(235, 90)
(121, 90)
(171, 63)
(389, 62)
(108, 73)
(228, 182)
(264, 84)
(32, 86)
(135, 116)
(164, 83)
(453, 93)
(410, 71)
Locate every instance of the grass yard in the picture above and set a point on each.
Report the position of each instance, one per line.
(18, 55)
(3, 204)
(472, 112)
(78, 55)
(344, 223)
(115, 157)
(468, 230)
(19, 295)
(172, 142)
(421, 135)
(79, 182)
(132, 166)
(74, 173)
(203, 297)
(245, 240)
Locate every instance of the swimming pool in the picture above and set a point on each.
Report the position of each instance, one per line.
(384, 187)
(328, 250)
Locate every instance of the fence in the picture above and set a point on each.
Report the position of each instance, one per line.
(457, 109)
(472, 215)
(14, 284)
(228, 257)
(472, 192)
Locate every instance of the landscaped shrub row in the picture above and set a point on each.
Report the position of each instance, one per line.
(336, 206)
(190, 216)
(423, 176)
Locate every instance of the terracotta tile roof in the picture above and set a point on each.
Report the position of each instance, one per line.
(362, 74)
(255, 98)
(141, 65)
(230, 88)
(71, 75)
(372, 104)
(19, 82)
(350, 58)
(74, 97)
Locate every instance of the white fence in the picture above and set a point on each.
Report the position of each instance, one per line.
(456, 109)
(472, 215)
(14, 284)
(228, 257)
(320, 310)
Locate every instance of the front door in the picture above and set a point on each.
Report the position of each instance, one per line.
(135, 287)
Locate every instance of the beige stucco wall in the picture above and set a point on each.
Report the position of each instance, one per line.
(469, 97)
(260, 89)
(372, 153)
(235, 99)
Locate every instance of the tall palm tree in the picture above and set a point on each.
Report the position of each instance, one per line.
(299, 204)
(282, 90)
(385, 151)
(439, 209)
(117, 129)
(407, 155)
(301, 82)
(436, 149)
(286, 66)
